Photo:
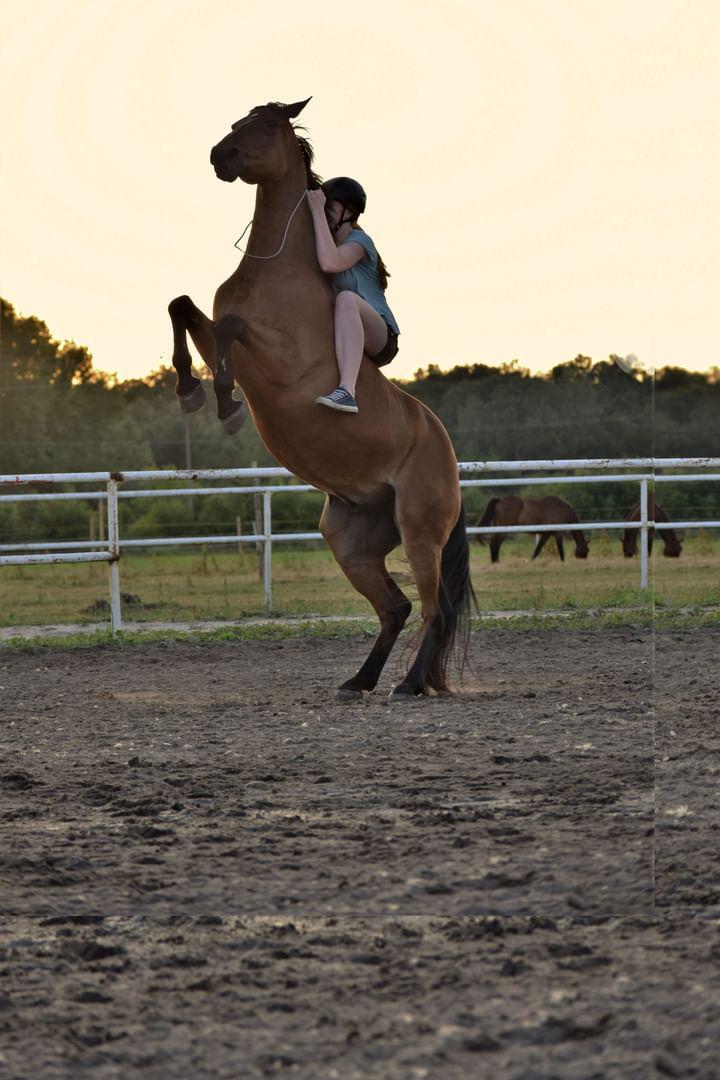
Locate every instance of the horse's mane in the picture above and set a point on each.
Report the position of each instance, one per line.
(308, 154)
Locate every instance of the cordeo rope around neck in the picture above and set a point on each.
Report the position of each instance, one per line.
(282, 245)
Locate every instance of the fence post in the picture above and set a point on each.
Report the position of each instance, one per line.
(258, 522)
(114, 564)
(644, 534)
(267, 553)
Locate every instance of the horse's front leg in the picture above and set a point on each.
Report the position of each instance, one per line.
(228, 330)
(213, 341)
(541, 540)
(187, 318)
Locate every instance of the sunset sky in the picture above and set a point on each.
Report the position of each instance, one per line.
(543, 176)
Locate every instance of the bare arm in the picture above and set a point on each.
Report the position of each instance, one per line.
(332, 259)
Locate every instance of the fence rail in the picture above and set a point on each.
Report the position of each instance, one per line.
(74, 551)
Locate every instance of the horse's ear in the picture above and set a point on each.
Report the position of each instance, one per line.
(291, 111)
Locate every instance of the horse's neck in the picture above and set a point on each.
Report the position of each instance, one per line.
(286, 297)
(272, 228)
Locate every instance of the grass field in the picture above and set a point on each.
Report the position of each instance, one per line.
(212, 583)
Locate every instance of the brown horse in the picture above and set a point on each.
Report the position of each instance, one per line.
(390, 472)
(671, 545)
(512, 510)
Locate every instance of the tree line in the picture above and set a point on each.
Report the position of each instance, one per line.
(59, 414)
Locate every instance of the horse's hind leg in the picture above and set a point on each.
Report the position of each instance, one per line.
(428, 669)
(187, 318)
(360, 541)
(560, 546)
(435, 542)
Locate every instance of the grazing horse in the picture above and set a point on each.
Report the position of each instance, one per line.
(512, 510)
(390, 472)
(671, 545)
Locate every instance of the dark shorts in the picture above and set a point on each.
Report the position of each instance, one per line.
(389, 350)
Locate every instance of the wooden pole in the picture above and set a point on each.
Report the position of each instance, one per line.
(188, 457)
(257, 506)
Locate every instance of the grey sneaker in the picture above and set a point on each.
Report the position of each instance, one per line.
(340, 399)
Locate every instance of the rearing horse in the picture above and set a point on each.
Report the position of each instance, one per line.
(389, 472)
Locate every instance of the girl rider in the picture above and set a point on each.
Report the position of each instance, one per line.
(363, 320)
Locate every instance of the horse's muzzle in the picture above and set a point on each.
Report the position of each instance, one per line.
(225, 163)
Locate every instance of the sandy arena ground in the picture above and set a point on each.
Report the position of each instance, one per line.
(208, 868)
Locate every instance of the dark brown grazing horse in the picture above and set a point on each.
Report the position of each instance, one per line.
(390, 472)
(512, 510)
(671, 545)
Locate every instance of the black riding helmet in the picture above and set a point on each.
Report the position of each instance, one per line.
(347, 191)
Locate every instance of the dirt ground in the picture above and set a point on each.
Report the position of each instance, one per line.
(209, 868)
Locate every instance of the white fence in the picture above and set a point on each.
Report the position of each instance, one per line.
(110, 549)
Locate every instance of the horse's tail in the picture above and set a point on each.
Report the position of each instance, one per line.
(456, 599)
(487, 518)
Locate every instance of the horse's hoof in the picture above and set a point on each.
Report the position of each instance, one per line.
(232, 423)
(404, 693)
(345, 695)
(193, 401)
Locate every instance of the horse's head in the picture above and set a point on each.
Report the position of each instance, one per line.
(581, 547)
(259, 147)
(673, 547)
(629, 543)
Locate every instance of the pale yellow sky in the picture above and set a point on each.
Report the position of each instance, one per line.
(543, 175)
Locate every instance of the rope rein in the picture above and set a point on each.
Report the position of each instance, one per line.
(282, 245)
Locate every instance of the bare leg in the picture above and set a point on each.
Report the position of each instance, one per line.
(358, 329)
(560, 546)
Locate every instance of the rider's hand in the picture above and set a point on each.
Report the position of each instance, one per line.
(316, 200)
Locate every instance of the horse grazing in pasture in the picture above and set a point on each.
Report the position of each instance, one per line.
(390, 472)
(671, 545)
(551, 510)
